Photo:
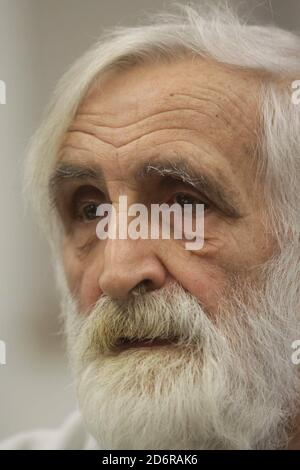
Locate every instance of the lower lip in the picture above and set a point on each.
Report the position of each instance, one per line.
(144, 344)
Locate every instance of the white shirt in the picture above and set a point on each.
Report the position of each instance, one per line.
(70, 436)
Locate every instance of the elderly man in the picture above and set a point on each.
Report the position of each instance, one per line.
(174, 348)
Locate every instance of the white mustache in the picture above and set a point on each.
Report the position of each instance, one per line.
(170, 314)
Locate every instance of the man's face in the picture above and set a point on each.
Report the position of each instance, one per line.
(223, 317)
(192, 113)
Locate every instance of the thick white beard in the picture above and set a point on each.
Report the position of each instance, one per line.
(230, 384)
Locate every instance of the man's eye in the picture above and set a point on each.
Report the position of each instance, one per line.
(182, 199)
(84, 203)
(87, 212)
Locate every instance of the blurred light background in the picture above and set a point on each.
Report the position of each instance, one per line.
(39, 39)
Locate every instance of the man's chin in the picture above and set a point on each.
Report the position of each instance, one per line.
(157, 398)
(141, 398)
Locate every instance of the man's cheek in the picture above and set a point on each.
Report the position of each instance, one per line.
(89, 289)
(207, 285)
(74, 273)
(71, 268)
(82, 274)
(198, 273)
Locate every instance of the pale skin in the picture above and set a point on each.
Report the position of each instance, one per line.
(196, 110)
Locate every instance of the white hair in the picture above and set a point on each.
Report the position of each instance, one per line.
(246, 393)
(214, 32)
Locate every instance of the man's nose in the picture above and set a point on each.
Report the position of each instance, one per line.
(129, 264)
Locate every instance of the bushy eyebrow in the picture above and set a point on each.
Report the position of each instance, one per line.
(70, 172)
(67, 171)
(206, 185)
(178, 170)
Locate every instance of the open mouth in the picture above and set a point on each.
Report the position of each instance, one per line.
(126, 343)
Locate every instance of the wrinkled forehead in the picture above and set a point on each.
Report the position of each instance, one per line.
(190, 101)
(142, 87)
(218, 101)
